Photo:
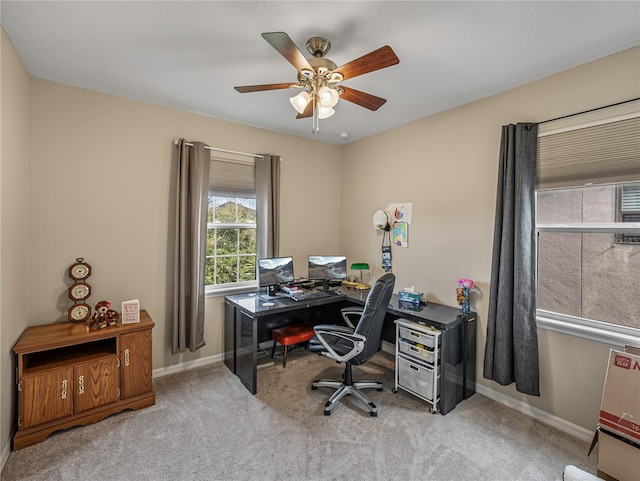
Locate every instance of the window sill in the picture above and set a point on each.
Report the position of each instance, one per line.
(618, 336)
(228, 291)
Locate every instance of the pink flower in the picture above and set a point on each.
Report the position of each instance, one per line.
(468, 283)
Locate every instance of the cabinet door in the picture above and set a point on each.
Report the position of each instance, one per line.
(45, 396)
(135, 363)
(96, 383)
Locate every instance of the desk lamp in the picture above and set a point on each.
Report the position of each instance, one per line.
(360, 266)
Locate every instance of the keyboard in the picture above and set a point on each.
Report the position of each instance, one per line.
(308, 295)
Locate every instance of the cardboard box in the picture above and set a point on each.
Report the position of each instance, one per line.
(619, 422)
(617, 459)
(620, 409)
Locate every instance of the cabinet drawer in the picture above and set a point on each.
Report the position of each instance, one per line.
(416, 377)
(427, 340)
(412, 350)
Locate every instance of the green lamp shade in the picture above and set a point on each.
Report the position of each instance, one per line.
(359, 266)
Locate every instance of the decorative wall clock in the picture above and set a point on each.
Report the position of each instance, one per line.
(79, 291)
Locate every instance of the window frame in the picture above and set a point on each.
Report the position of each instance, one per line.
(219, 290)
(585, 328)
(233, 286)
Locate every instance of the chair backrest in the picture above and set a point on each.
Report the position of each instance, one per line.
(372, 318)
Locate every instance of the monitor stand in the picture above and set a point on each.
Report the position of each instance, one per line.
(325, 285)
(270, 295)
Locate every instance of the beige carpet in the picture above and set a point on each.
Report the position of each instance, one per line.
(206, 426)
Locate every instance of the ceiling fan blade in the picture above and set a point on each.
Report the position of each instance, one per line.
(259, 88)
(362, 99)
(382, 58)
(308, 112)
(283, 44)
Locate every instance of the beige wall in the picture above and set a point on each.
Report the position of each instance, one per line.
(446, 165)
(14, 217)
(101, 188)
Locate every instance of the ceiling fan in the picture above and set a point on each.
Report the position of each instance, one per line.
(319, 77)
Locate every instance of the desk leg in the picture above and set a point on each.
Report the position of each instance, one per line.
(230, 336)
(469, 357)
(451, 369)
(247, 350)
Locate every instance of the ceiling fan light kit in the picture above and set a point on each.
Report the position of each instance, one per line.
(319, 76)
(300, 101)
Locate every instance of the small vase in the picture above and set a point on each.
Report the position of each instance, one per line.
(464, 302)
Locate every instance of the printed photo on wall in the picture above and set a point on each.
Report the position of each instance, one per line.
(400, 234)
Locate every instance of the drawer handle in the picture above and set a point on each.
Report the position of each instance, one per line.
(126, 357)
(63, 393)
(81, 385)
(415, 368)
(414, 334)
(414, 349)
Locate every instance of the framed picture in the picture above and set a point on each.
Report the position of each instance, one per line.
(130, 311)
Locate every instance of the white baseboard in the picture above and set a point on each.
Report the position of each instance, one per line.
(5, 454)
(186, 365)
(542, 416)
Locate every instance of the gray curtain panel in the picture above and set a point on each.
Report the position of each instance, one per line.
(268, 195)
(511, 351)
(191, 246)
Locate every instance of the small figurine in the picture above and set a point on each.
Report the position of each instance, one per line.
(103, 316)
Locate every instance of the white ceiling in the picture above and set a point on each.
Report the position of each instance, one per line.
(190, 55)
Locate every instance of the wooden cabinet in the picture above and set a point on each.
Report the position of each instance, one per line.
(135, 361)
(69, 375)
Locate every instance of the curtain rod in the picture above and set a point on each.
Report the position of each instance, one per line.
(223, 150)
(590, 110)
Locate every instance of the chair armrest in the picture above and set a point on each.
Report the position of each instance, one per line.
(332, 327)
(351, 311)
(327, 334)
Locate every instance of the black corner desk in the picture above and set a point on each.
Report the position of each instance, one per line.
(248, 322)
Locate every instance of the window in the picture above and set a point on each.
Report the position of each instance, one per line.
(628, 210)
(232, 243)
(588, 201)
(582, 271)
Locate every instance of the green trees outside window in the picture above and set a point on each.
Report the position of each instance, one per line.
(231, 240)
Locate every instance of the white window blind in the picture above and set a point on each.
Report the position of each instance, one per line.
(232, 178)
(595, 154)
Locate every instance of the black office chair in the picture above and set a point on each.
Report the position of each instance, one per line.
(354, 346)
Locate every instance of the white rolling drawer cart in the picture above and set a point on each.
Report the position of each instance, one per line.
(418, 361)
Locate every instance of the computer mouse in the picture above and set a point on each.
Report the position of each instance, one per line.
(268, 304)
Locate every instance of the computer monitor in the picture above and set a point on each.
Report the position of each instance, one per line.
(326, 268)
(274, 271)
